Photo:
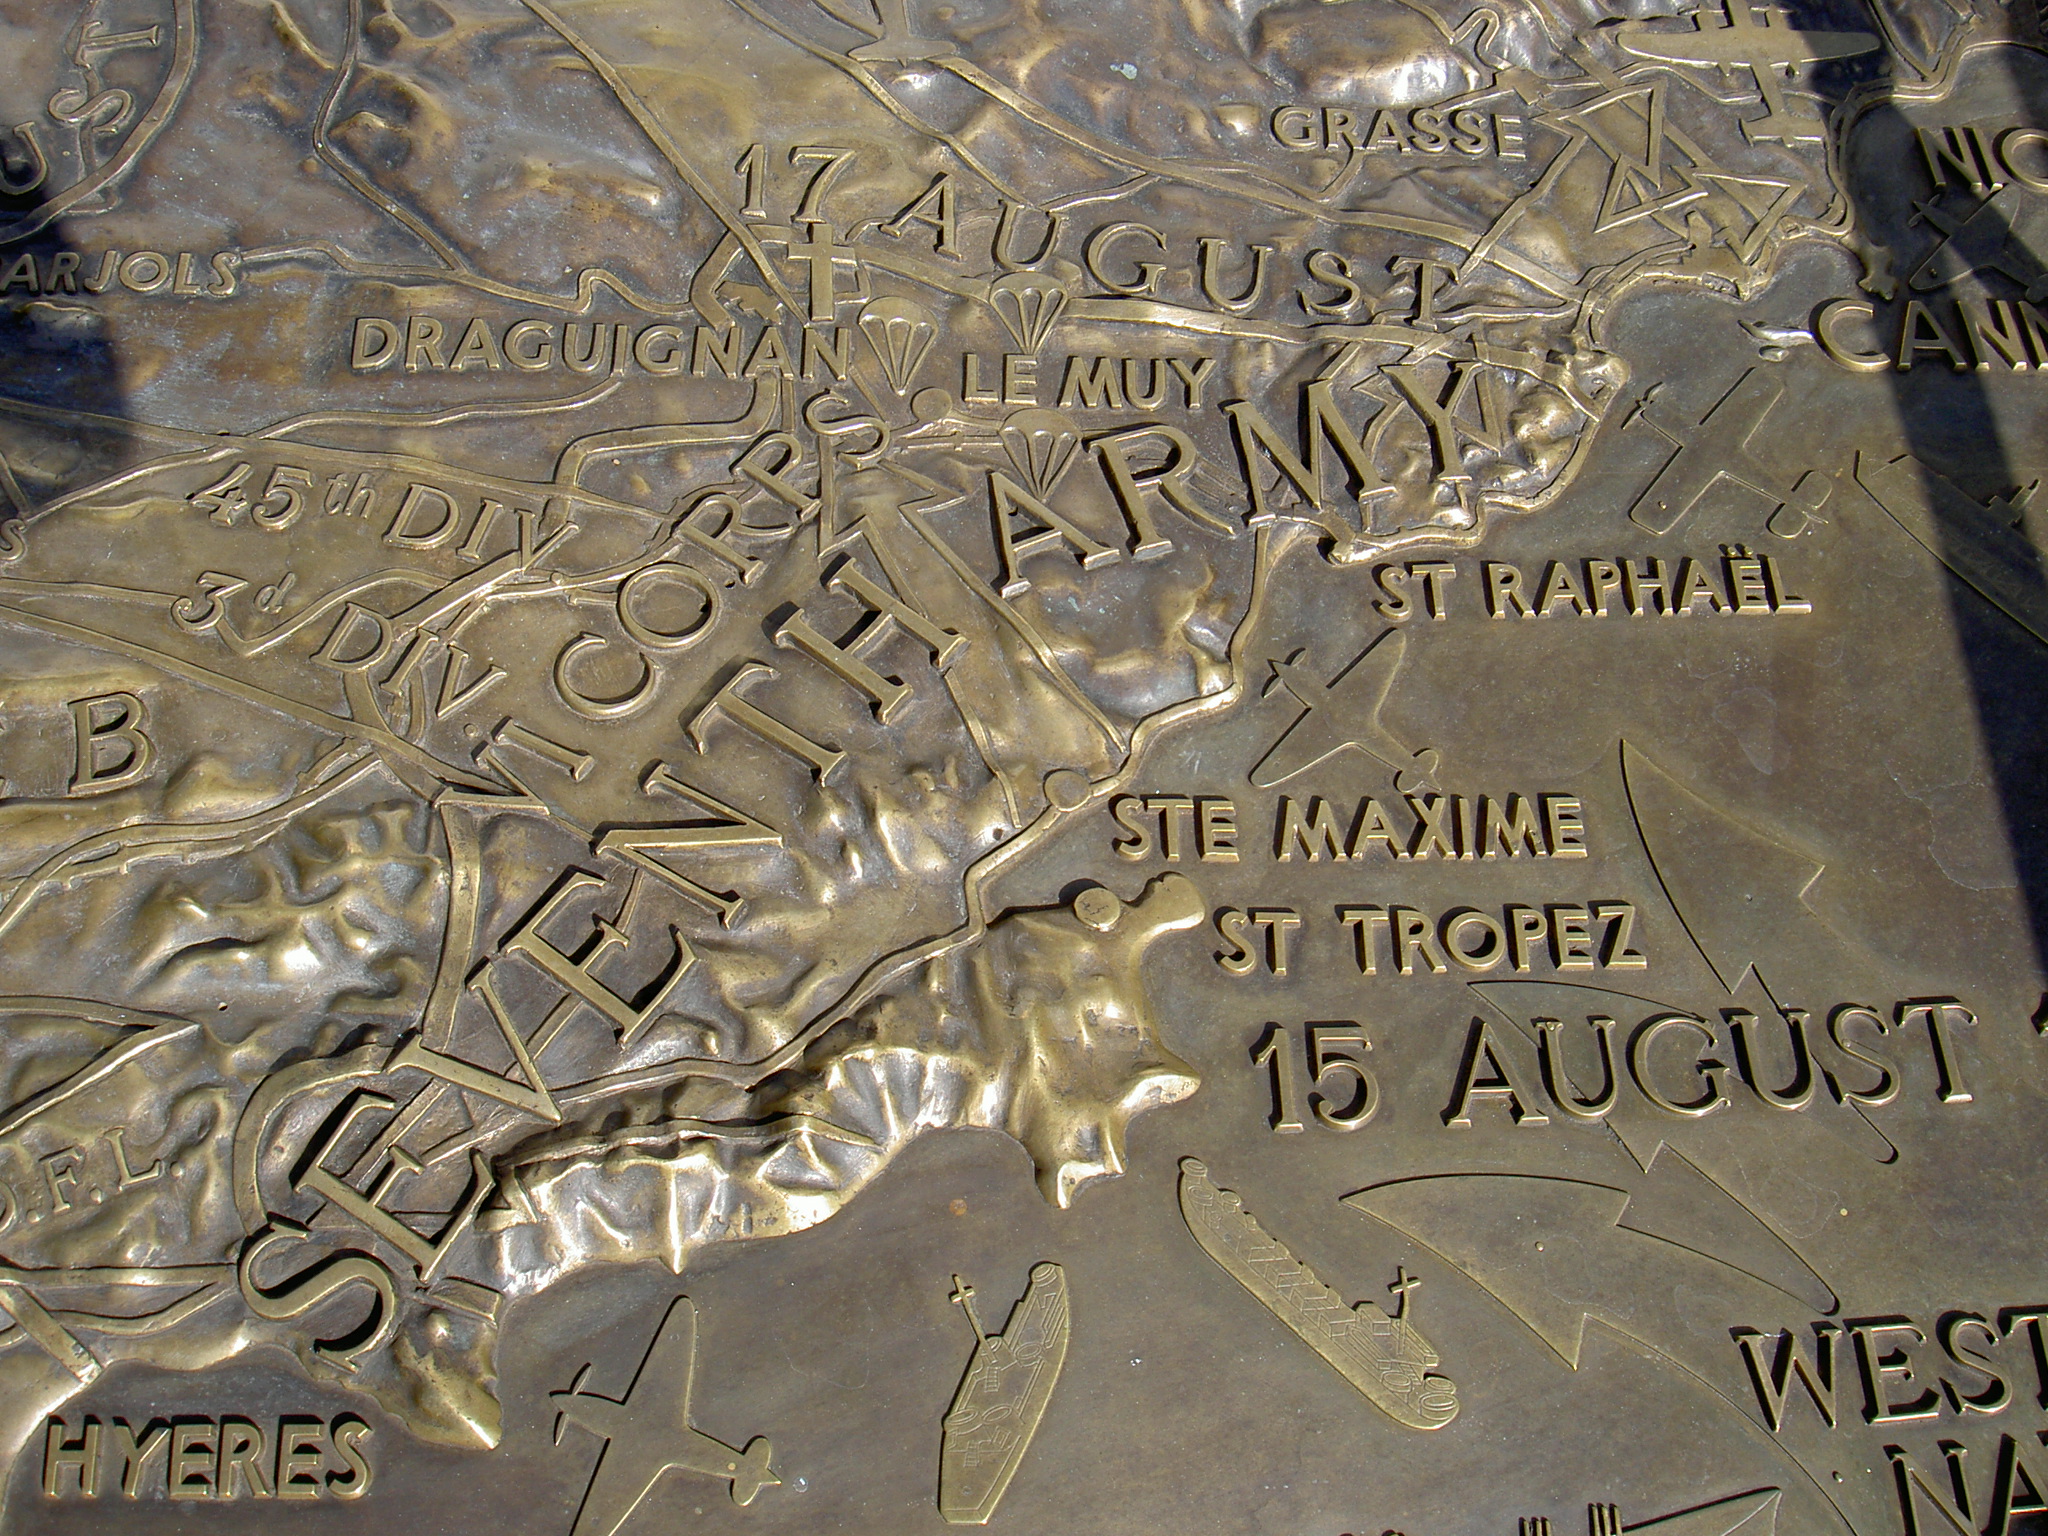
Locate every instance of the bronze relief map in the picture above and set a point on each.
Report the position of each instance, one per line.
(1242, 766)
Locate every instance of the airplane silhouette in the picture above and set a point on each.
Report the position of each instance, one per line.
(1762, 50)
(1345, 713)
(1719, 448)
(645, 1439)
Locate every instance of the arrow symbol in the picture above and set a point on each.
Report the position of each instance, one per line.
(1559, 1253)
(1740, 893)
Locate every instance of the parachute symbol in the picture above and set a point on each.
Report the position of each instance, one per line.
(901, 333)
(1042, 445)
(1028, 304)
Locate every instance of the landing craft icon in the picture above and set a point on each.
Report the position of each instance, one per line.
(1749, 1514)
(647, 1433)
(1764, 50)
(1002, 1397)
(1344, 713)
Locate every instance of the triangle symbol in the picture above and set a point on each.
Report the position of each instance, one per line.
(1633, 181)
(1616, 119)
(1759, 196)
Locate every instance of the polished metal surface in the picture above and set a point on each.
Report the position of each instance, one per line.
(1256, 766)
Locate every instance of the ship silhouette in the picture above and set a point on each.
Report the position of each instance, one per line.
(1002, 1396)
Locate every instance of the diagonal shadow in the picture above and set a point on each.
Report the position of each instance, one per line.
(58, 357)
(1945, 244)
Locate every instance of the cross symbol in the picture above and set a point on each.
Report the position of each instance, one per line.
(1403, 1284)
(824, 255)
